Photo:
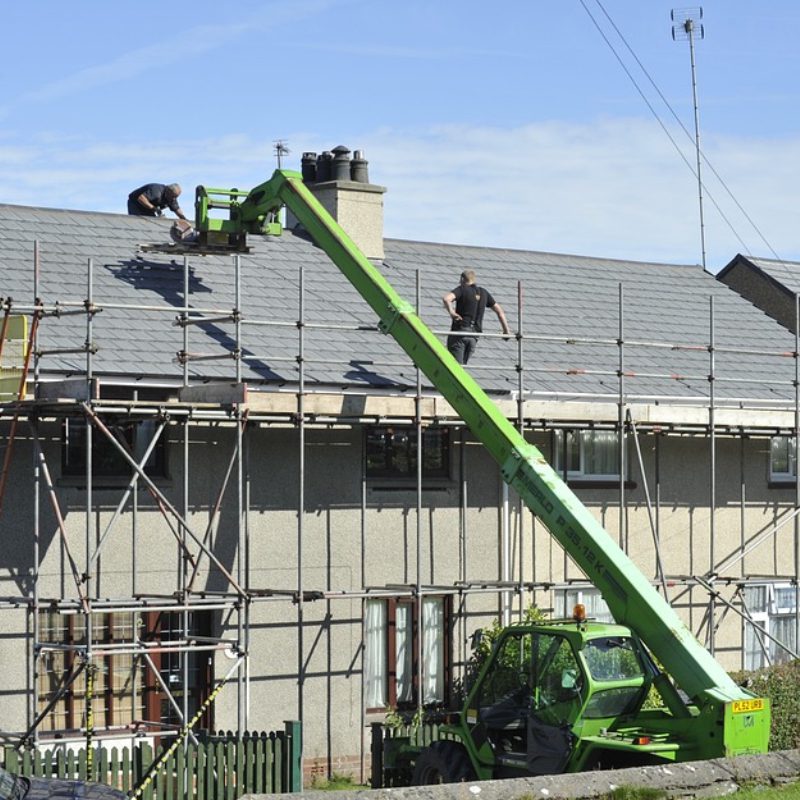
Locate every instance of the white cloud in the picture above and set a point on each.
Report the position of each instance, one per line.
(613, 188)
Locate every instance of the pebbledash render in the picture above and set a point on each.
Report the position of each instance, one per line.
(277, 528)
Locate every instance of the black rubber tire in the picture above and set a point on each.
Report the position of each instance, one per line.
(443, 762)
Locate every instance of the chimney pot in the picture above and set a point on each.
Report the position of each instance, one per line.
(358, 168)
(308, 167)
(324, 166)
(340, 167)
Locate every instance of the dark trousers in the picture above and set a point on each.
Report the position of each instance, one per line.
(461, 347)
(138, 210)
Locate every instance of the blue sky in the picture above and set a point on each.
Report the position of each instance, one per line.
(508, 124)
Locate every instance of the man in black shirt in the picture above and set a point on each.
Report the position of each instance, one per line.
(465, 305)
(150, 199)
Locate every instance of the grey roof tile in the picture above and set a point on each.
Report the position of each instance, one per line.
(563, 297)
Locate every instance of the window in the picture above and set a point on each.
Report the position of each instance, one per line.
(392, 452)
(587, 454)
(125, 688)
(782, 459)
(772, 608)
(118, 679)
(167, 629)
(390, 652)
(107, 461)
(596, 608)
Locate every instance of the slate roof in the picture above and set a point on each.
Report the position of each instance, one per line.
(564, 297)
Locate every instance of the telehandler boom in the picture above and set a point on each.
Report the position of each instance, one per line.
(560, 696)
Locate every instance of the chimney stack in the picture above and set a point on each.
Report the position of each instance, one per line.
(341, 184)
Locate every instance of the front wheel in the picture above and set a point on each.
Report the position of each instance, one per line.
(443, 762)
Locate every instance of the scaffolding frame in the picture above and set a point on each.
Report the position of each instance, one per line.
(240, 594)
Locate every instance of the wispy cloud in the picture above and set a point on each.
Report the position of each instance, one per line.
(164, 53)
(612, 188)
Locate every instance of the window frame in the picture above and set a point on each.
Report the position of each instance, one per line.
(565, 599)
(390, 666)
(390, 475)
(765, 616)
(73, 455)
(145, 695)
(784, 478)
(580, 474)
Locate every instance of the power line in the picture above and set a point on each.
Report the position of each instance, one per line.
(689, 135)
(667, 133)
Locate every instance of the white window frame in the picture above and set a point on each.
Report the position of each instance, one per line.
(590, 597)
(768, 614)
(380, 663)
(783, 476)
(583, 438)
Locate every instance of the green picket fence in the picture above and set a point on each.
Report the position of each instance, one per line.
(385, 739)
(220, 767)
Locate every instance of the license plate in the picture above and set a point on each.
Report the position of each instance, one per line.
(746, 706)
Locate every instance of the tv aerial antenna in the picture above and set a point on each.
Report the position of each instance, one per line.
(280, 149)
(687, 25)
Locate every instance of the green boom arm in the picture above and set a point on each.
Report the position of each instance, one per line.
(631, 598)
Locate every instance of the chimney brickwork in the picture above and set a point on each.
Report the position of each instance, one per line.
(356, 205)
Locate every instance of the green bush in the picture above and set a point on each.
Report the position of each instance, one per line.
(781, 685)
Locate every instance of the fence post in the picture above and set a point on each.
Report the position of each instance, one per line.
(142, 761)
(293, 756)
(376, 751)
(10, 758)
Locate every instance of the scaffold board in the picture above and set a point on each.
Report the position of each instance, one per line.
(181, 248)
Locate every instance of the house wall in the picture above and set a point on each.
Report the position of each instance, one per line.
(306, 659)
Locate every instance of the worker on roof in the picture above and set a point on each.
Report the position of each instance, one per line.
(465, 305)
(150, 199)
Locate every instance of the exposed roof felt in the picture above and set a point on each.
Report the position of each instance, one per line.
(563, 297)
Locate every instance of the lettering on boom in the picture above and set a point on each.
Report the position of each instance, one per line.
(593, 562)
(534, 490)
(585, 555)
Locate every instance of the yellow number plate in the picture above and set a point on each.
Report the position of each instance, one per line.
(746, 706)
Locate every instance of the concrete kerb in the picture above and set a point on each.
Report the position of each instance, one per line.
(715, 778)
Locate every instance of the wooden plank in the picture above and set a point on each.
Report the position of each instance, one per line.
(70, 389)
(230, 770)
(214, 757)
(168, 770)
(101, 765)
(278, 763)
(49, 763)
(200, 772)
(249, 765)
(223, 394)
(259, 760)
(269, 765)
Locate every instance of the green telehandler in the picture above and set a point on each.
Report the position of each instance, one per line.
(564, 696)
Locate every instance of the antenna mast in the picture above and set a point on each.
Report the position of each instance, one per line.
(280, 150)
(685, 26)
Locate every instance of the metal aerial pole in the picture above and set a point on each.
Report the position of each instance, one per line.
(686, 25)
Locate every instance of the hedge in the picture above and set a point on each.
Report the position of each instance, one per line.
(781, 684)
